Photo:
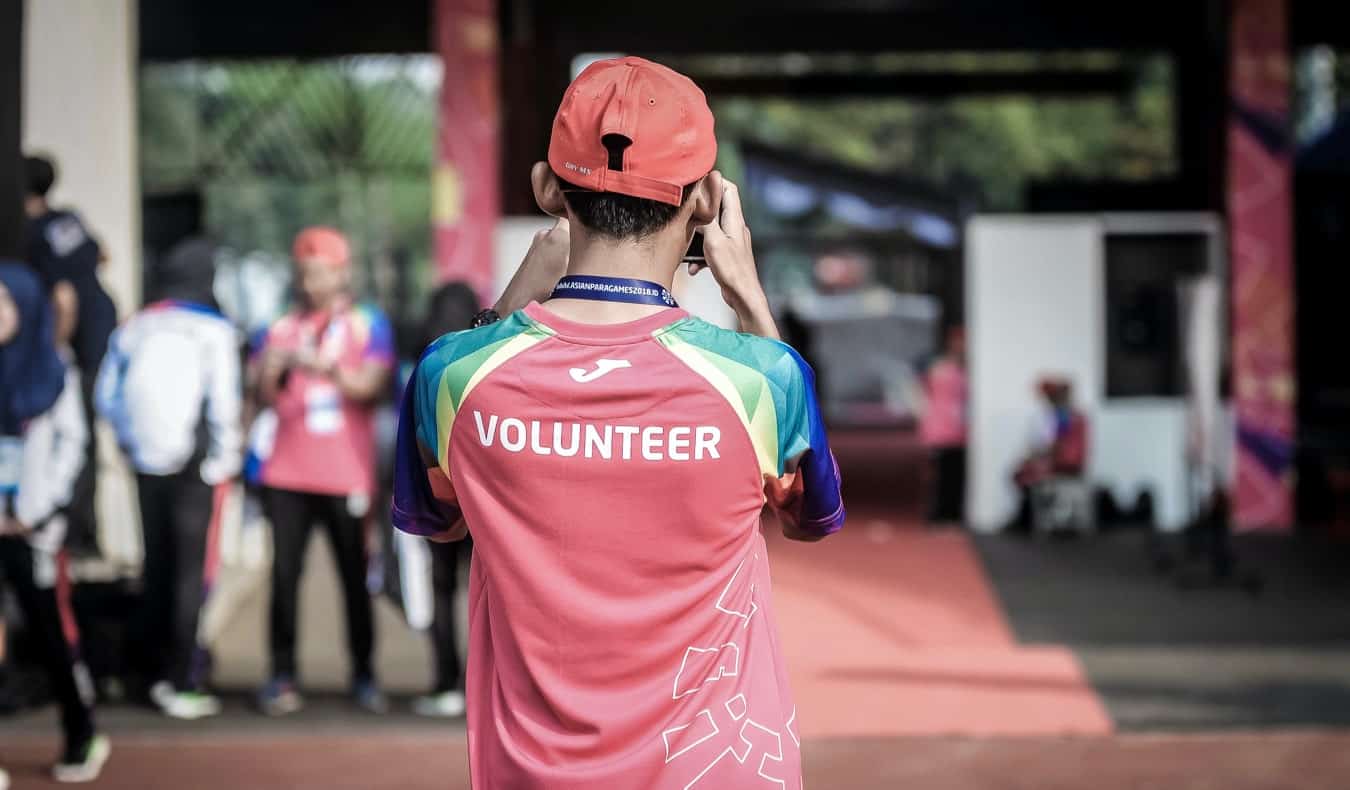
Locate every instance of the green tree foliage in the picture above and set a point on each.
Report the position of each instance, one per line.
(993, 144)
(274, 146)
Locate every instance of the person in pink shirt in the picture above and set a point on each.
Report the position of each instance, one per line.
(942, 430)
(324, 365)
(612, 457)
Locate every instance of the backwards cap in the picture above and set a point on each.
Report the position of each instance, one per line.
(322, 243)
(657, 121)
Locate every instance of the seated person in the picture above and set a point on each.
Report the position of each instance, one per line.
(1059, 444)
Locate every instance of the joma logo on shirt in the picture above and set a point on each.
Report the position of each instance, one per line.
(602, 366)
(599, 440)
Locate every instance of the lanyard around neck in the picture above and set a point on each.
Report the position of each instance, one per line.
(613, 289)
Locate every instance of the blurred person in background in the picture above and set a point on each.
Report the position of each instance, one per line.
(800, 334)
(1058, 445)
(169, 385)
(67, 258)
(323, 367)
(42, 438)
(452, 308)
(942, 430)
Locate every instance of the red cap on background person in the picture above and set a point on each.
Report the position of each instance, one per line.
(321, 243)
(663, 127)
(1054, 387)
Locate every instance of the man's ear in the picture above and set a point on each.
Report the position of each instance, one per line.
(706, 199)
(547, 190)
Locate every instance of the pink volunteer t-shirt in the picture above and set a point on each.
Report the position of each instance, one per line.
(325, 443)
(622, 627)
(943, 424)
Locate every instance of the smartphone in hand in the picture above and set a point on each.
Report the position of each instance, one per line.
(695, 252)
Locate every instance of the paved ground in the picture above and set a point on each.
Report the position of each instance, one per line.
(418, 760)
(1167, 658)
(928, 634)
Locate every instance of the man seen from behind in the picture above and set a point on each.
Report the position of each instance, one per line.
(611, 456)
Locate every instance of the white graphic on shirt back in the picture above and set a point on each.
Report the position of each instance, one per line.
(602, 366)
(703, 665)
(708, 731)
(752, 739)
(738, 601)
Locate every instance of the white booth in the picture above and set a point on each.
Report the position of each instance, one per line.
(1054, 295)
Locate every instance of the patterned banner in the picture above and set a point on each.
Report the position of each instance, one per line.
(465, 199)
(1260, 198)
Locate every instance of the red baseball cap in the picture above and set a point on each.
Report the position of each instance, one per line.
(322, 243)
(661, 113)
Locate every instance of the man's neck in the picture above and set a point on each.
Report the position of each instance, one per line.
(330, 305)
(616, 259)
(651, 260)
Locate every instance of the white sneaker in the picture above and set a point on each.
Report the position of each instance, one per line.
(445, 705)
(4, 780)
(84, 767)
(185, 705)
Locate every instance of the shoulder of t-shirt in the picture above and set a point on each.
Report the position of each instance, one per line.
(777, 361)
(786, 376)
(370, 312)
(283, 326)
(284, 322)
(451, 360)
(374, 328)
(67, 218)
(455, 346)
(202, 312)
(198, 317)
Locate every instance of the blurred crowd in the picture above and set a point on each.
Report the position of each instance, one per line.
(200, 413)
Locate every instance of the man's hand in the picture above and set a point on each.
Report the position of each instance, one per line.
(731, 257)
(307, 357)
(459, 531)
(544, 265)
(11, 527)
(66, 305)
(276, 360)
(275, 363)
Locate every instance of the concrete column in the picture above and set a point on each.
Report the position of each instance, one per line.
(11, 189)
(79, 107)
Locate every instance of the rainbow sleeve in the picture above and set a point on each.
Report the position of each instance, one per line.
(424, 497)
(772, 390)
(804, 439)
(416, 508)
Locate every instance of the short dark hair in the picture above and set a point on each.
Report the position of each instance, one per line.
(39, 175)
(451, 308)
(620, 216)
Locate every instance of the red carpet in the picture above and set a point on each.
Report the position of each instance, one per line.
(891, 629)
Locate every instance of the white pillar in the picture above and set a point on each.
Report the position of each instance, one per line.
(79, 94)
(79, 107)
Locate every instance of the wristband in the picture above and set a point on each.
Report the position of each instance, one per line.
(488, 316)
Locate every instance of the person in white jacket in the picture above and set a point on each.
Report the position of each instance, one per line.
(169, 385)
(43, 435)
